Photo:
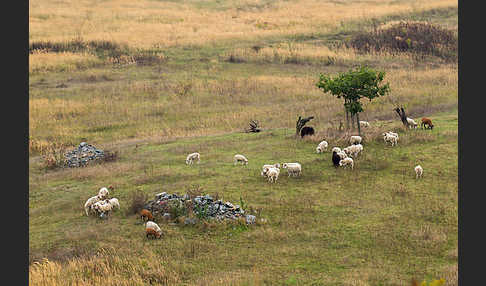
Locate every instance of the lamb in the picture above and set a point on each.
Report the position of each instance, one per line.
(427, 123)
(322, 147)
(353, 150)
(391, 138)
(241, 158)
(192, 157)
(391, 133)
(346, 161)
(146, 215)
(152, 229)
(418, 171)
(355, 140)
(90, 202)
(364, 123)
(272, 174)
(411, 123)
(294, 169)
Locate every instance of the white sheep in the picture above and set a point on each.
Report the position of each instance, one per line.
(294, 169)
(353, 150)
(151, 227)
(90, 202)
(336, 149)
(114, 202)
(192, 157)
(390, 138)
(391, 133)
(355, 139)
(418, 171)
(241, 158)
(364, 123)
(272, 174)
(411, 123)
(346, 162)
(322, 147)
(266, 167)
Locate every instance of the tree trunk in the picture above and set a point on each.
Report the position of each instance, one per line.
(357, 121)
(347, 115)
(352, 120)
(402, 115)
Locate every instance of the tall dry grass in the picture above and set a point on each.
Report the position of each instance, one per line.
(163, 24)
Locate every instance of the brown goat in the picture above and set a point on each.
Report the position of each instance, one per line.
(146, 215)
(427, 123)
(152, 233)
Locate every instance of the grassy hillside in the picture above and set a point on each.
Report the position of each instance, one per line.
(156, 80)
(375, 225)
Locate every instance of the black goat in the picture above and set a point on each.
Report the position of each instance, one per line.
(306, 130)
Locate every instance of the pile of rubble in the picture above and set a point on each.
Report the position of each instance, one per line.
(202, 206)
(82, 155)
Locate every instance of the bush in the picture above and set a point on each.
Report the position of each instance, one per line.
(138, 199)
(420, 38)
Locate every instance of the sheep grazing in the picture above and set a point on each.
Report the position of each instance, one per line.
(335, 159)
(241, 158)
(146, 215)
(322, 147)
(336, 149)
(346, 162)
(152, 230)
(90, 202)
(364, 123)
(306, 130)
(294, 169)
(193, 157)
(272, 174)
(114, 202)
(390, 138)
(266, 167)
(411, 123)
(355, 140)
(353, 150)
(418, 171)
(427, 123)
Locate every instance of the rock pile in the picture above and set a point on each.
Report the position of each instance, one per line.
(82, 155)
(202, 206)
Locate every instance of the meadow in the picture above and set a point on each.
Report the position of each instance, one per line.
(156, 80)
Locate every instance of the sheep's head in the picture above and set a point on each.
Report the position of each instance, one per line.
(284, 165)
(277, 165)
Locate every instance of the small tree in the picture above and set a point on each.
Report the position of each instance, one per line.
(352, 86)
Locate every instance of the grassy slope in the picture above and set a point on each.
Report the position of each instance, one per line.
(374, 225)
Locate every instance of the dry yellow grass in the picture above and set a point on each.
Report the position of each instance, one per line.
(163, 24)
(65, 61)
